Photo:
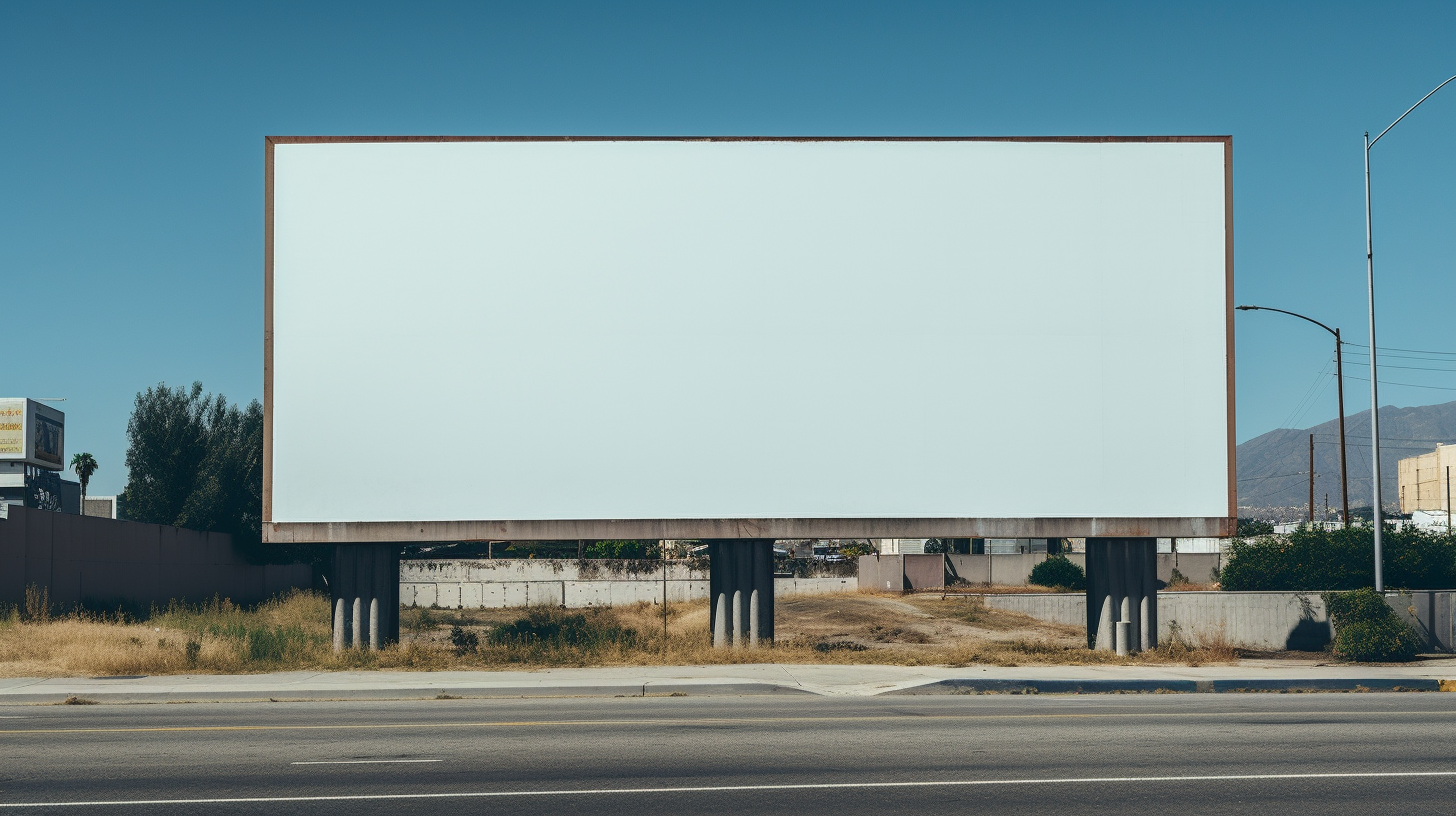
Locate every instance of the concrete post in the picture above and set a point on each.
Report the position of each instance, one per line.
(753, 620)
(373, 624)
(1124, 636)
(338, 624)
(737, 619)
(356, 639)
(1103, 633)
(720, 622)
(343, 592)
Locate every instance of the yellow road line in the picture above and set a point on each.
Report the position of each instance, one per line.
(716, 721)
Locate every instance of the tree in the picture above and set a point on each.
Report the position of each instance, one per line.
(84, 464)
(196, 461)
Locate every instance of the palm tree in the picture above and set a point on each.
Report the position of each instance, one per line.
(84, 464)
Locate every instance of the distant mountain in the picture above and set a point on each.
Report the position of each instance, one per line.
(1273, 468)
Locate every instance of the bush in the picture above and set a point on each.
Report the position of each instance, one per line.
(1059, 573)
(1313, 559)
(1368, 630)
(554, 627)
(464, 640)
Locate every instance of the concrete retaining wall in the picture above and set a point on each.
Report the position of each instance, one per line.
(1255, 620)
(898, 573)
(503, 582)
(104, 562)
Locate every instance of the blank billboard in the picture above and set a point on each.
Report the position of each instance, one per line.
(590, 338)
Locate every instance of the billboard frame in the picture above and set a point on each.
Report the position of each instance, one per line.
(600, 529)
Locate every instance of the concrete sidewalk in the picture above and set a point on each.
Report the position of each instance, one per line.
(761, 678)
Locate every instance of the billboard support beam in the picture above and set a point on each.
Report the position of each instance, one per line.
(1122, 588)
(741, 591)
(365, 596)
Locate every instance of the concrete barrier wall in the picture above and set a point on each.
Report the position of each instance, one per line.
(896, 573)
(1254, 620)
(505, 582)
(102, 562)
(882, 573)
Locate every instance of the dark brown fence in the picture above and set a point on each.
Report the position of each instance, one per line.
(103, 562)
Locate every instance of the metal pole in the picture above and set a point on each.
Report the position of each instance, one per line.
(1340, 388)
(1448, 500)
(1379, 519)
(1370, 283)
(1311, 478)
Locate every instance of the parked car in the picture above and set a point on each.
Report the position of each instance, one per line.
(822, 552)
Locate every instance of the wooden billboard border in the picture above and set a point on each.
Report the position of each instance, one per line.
(505, 530)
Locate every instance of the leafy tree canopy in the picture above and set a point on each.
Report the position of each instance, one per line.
(196, 461)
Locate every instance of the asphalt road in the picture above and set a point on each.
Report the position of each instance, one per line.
(800, 755)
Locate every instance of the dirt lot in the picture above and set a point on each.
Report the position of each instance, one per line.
(293, 632)
(840, 628)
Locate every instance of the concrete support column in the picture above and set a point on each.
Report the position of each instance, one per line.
(753, 620)
(737, 619)
(720, 621)
(1122, 595)
(741, 578)
(339, 624)
(365, 589)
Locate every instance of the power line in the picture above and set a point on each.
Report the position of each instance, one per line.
(1418, 357)
(1316, 389)
(1416, 368)
(1406, 385)
(1394, 438)
(1275, 476)
(1392, 348)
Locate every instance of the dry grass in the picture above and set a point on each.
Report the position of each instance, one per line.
(292, 632)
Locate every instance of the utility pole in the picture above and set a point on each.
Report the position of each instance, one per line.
(1374, 374)
(1339, 389)
(1448, 500)
(1311, 478)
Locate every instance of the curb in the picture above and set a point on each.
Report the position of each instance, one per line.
(1264, 686)
(649, 689)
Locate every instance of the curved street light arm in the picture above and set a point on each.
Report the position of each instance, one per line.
(1407, 113)
(1291, 314)
(1340, 389)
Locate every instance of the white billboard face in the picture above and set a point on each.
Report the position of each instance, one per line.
(877, 332)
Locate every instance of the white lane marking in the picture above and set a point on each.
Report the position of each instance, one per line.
(365, 797)
(362, 761)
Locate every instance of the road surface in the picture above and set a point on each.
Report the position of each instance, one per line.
(790, 754)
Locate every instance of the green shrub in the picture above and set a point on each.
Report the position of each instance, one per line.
(1058, 572)
(275, 644)
(1368, 630)
(554, 627)
(1313, 559)
(464, 640)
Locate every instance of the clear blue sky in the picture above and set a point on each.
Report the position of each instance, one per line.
(131, 148)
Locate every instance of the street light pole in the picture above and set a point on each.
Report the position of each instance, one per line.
(1340, 390)
(1370, 286)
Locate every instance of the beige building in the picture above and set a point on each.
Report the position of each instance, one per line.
(1425, 480)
